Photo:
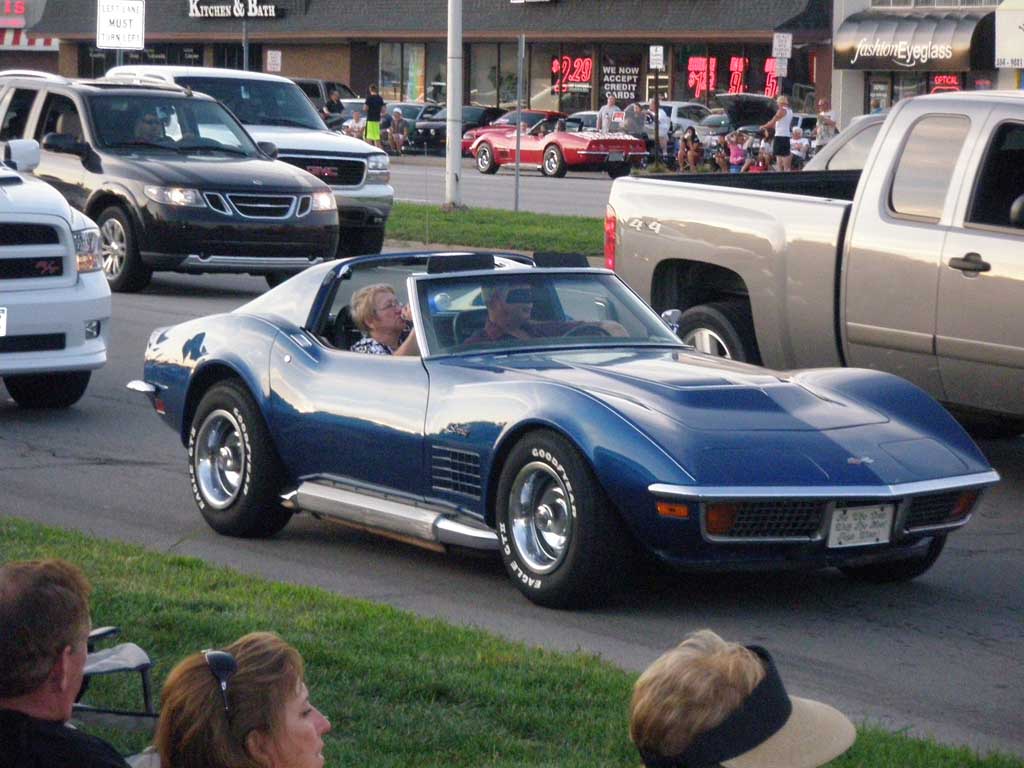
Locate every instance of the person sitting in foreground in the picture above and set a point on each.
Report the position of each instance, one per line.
(708, 702)
(386, 322)
(246, 706)
(44, 634)
(509, 306)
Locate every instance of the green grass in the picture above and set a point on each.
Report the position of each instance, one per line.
(400, 690)
(498, 229)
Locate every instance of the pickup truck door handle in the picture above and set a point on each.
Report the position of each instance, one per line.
(970, 262)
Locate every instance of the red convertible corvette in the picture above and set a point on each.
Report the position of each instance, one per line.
(555, 145)
(508, 120)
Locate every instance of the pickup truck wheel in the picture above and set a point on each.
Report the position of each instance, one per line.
(554, 163)
(615, 170)
(560, 539)
(235, 472)
(485, 162)
(723, 329)
(48, 390)
(897, 570)
(121, 261)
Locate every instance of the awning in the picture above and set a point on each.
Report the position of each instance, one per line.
(923, 42)
(1010, 34)
(20, 40)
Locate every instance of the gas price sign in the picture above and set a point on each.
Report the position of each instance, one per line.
(571, 73)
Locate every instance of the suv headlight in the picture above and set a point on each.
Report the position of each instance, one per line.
(88, 249)
(378, 168)
(177, 196)
(323, 201)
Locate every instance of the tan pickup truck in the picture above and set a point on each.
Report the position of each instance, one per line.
(914, 265)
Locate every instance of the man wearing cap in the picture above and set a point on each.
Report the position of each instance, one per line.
(44, 633)
(708, 702)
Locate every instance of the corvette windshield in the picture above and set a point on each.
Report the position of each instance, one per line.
(508, 311)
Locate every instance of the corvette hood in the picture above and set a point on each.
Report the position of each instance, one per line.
(697, 391)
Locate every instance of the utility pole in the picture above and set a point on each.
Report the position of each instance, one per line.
(245, 44)
(520, 55)
(453, 146)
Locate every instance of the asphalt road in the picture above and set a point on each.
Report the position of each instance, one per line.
(940, 656)
(422, 180)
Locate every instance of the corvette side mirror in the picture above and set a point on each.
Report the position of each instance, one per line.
(671, 317)
(268, 148)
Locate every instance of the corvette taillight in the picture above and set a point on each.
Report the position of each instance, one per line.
(610, 232)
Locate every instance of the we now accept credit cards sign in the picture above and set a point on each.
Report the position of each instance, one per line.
(121, 24)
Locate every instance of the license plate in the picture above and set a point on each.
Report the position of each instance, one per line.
(860, 526)
(616, 157)
(3, 321)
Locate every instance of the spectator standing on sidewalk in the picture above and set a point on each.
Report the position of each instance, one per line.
(606, 115)
(826, 128)
(44, 635)
(633, 121)
(782, 123)
(374, 106)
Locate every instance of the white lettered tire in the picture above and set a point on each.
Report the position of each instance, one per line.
(560, 539)
(235, 472)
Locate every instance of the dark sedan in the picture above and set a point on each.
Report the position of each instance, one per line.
(431, 134)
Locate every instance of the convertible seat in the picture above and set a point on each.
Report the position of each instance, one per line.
(345, 331)
(469, 322)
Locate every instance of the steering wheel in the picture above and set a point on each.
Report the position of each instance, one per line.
(591, 329)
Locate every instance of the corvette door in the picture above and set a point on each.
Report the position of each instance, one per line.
(347, 415)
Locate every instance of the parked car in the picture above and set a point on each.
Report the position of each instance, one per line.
(172, 179)
(571, 452)
(274, 109)
(912, 266)
(431, 132)
(557, 144)
(741, 111)
(510, 119)
(54, 300)
(587, 119)
(683, 114)
(848, 150)
(318, 91)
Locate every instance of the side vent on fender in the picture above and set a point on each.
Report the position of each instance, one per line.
(455, 471)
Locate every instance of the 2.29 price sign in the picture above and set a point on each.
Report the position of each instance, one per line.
(569, 73)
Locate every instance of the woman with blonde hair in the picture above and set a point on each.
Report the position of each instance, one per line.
(246, 706)
(384, 321)
(708, 702)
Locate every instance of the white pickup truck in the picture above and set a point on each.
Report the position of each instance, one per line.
(914, 265)
(54, 298)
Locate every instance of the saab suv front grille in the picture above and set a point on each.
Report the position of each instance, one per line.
(263, 206)
(335, 171)
(39, 342)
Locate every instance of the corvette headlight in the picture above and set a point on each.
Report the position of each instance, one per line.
(88, 249)
(378, 168)
(177, 196)
(323, 201)
(469, 135)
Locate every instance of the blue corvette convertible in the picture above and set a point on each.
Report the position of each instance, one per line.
(573, 440)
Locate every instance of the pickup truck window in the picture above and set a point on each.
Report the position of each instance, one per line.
(854, 153)
(16, 117)
(1000, 181)
(926, 166)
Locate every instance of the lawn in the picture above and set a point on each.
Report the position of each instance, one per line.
(399, 690)
(498, 229)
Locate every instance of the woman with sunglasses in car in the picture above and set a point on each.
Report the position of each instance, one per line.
(246, 706)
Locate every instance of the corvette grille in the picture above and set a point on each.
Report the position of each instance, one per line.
(932, 509)
(456, 471)
(786, 519)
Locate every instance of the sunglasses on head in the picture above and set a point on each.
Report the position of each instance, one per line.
(519, 296)
(223, 665)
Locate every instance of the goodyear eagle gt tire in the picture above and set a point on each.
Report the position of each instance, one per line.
(236, 474)
(560, 539)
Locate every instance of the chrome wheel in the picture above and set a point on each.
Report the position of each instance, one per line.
(540, 514)
(483, 158)
(551, 162)
(115, 247)
(707, 341)
(219, 459)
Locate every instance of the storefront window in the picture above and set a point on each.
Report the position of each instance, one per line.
(761, 70)
(93, 62)
(507, 55)
(941, 81)
(390, 78)
(483, 74)
(620, 72)
(413, 66)
(981, 81)
(701, 77)
(437, 68)
(574, 79)
(545, 75)
(722, 56)
(681, 88)
(907, 84)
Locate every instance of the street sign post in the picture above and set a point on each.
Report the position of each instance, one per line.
(781, 67)
(782, 45)
(657, 57)
(121, 24)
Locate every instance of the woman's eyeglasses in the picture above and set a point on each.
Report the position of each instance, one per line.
(223, 665)
(392, 305)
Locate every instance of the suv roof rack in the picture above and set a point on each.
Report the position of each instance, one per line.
(34, 73)
(135, 82)
(157, 77)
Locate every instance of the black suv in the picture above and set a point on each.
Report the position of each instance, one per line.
(171, 177)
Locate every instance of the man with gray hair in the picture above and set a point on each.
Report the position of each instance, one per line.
(44, 633)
